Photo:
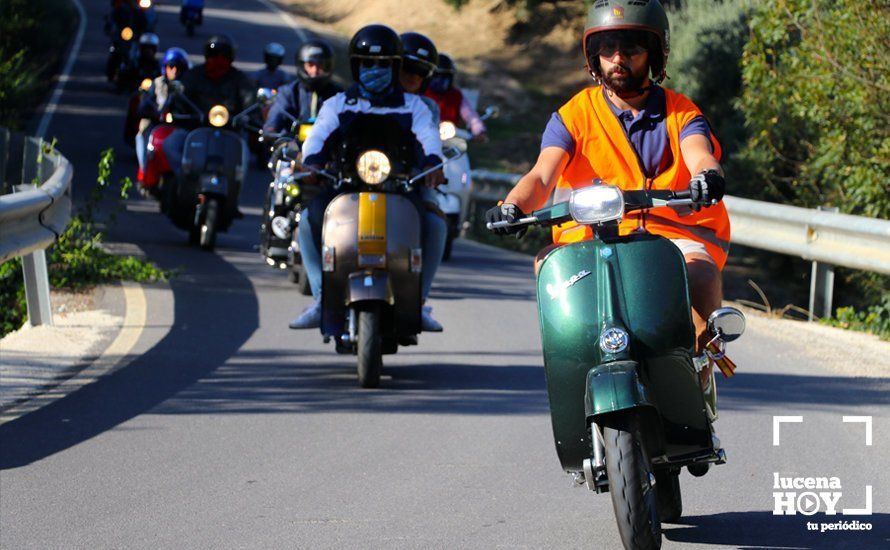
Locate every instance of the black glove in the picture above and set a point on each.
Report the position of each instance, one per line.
(706, 188)
(506, 212)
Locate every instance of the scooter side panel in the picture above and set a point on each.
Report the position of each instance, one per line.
(570, 316)
(340, 231)
(403, 232)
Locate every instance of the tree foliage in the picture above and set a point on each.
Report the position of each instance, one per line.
(817, 103)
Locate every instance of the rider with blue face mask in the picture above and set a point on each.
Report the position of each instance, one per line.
(375, 54)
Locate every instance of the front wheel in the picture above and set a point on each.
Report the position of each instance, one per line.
(632, 487)
(370, 351)
(670, 500)
(209, 225)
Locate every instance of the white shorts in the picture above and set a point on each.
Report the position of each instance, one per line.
(688, 246)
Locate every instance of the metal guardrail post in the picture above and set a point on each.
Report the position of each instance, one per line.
(37, 288)
(32, 217)
(821, 279)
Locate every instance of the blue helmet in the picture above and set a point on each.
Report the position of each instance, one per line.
(177, 57)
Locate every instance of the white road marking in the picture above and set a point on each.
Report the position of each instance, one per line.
(66, 72)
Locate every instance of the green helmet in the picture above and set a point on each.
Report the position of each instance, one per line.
(616, 15)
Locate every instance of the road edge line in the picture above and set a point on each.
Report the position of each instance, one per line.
(286, 17)
(116, 356)
(50, 108)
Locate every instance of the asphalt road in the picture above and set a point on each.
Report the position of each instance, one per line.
(231, 431)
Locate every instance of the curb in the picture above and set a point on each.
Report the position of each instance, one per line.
(116, 356)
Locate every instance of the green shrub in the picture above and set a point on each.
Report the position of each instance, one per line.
(707, 40)
(33, 37)
(817, 76)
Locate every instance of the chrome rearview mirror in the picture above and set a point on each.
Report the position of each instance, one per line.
(728, 322)
(265, 96)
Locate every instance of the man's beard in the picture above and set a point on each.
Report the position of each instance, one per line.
(628, 84)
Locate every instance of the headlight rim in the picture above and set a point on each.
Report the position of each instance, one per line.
(216, 113)
(385, 169)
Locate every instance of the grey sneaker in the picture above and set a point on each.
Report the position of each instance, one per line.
(427, 323)
(310, 318)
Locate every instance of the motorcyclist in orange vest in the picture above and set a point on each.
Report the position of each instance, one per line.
(630, 132)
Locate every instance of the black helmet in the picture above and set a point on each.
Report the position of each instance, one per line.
(320, 53)
(273, 54)
(375, 42)
(220, 44)
(419, 57)
(446, 65)
(646, 16)
(444, 74)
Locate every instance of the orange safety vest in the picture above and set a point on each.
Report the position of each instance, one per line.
(603, 151)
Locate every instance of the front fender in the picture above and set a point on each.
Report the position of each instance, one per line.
(369, 286)
(613, 387)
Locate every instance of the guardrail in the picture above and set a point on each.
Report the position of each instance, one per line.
(827, 238)
(33, 216)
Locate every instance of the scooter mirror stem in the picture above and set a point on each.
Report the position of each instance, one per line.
(432, 169)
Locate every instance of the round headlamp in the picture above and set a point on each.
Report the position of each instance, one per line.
(447, 130)
(127, 33)
(145, 4)
(145, 85)
(613, 340)
(218, 116)
(373, 167)
(168, 118)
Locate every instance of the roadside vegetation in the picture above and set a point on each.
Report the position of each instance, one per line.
(78, 260)
(34, 36)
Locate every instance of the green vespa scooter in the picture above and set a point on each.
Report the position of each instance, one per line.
(626, 400)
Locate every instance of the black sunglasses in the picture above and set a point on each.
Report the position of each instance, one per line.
(628, 43)
(375, 62)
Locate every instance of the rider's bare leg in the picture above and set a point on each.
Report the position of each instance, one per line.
(539, 257)
(706, 293)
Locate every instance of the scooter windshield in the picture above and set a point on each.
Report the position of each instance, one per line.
(383, 133)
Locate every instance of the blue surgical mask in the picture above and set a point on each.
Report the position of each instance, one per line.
(375, 80)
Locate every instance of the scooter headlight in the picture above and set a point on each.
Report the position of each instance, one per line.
(613, 340)
(127, 34)
(447, 130)
(145, 4)
(373, 167)
(597, 204)
(168, 118)
(218, 116)
(145, 85)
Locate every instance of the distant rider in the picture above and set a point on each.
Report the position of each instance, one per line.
(215, 82)
(375, 54)
(157, 98)
(452, 103)
(301, 99)
(272, 76)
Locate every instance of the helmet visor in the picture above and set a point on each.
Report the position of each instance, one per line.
(422, 69)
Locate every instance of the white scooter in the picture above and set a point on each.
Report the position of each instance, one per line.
(453, 197)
